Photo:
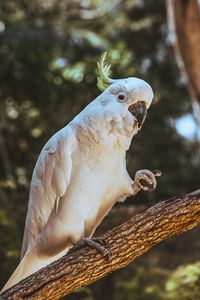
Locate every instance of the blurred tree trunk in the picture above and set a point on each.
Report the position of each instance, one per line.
(184, 26)
(124, 244)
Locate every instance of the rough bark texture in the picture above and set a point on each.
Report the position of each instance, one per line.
(118, 215)
(124, 244)
(185, 24)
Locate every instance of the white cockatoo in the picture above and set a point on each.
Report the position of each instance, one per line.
(81, 173)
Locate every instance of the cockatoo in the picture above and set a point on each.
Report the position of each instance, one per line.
(81, 173)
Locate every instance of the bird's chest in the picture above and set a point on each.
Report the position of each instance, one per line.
(102, 183)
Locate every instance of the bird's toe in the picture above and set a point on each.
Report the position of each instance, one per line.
(96, 243)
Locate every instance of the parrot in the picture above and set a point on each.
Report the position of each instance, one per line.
(81, 173)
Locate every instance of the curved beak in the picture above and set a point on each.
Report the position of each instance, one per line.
(139, 110)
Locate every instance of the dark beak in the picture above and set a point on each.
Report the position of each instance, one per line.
(139, 111)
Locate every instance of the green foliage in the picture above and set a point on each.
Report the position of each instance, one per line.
(160, 284)
(142, 286)
(184, 283)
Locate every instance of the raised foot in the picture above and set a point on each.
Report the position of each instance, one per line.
(95, 243)
(145, 180)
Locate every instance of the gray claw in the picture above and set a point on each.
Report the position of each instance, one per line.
(150, 187)
(100, 241)
(95, 243)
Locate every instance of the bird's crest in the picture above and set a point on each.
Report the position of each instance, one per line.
(103, 80)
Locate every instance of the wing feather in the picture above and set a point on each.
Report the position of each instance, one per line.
(49, 183)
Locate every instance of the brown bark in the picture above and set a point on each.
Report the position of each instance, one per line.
(184, 19)
(124, 244)
(118, 215)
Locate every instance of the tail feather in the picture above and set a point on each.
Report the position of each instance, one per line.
(30, 264)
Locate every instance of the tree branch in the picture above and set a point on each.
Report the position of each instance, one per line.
(124, 244)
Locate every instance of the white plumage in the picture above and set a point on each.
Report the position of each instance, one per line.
(80, 174)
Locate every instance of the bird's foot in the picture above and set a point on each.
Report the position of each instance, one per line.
(96, 243)
(145, 180)
(100, 241)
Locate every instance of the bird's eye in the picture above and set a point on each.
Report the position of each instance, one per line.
(121, 97)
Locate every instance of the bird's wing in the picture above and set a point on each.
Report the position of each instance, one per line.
(50, 180)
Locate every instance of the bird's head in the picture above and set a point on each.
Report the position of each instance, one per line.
(125, 101)
(118, 112)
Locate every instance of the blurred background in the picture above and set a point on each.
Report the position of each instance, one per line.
(48, 54)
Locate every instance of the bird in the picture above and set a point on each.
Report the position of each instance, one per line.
(81, 173)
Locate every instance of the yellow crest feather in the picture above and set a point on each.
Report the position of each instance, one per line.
(103, 80)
